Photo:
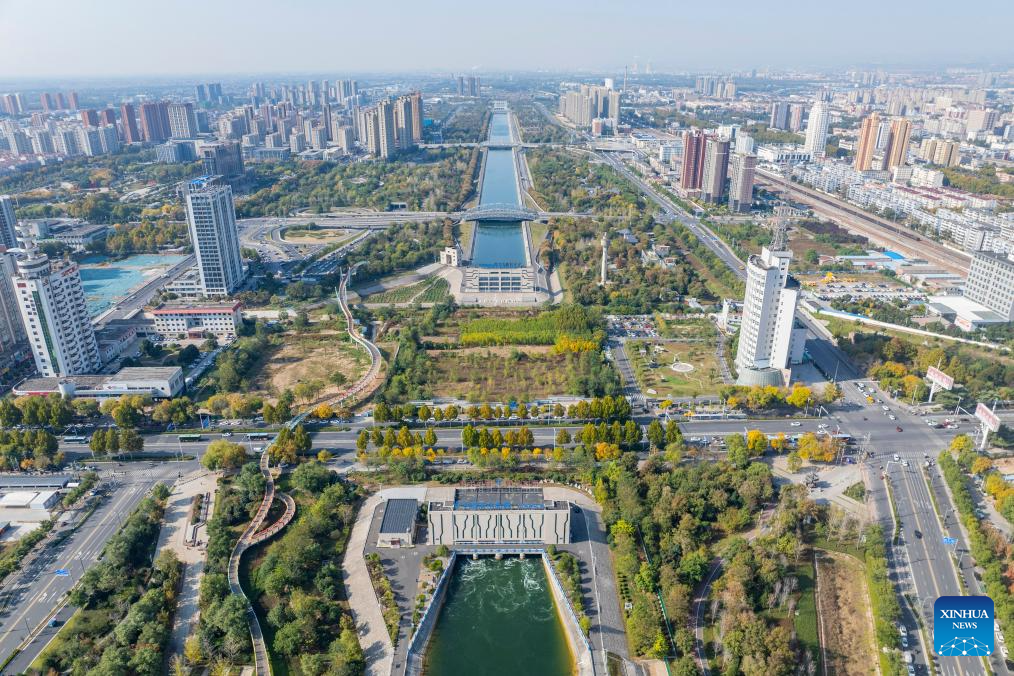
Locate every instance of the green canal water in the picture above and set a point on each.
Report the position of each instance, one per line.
(498, 619)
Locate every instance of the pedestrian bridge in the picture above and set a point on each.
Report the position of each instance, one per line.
(499, 212)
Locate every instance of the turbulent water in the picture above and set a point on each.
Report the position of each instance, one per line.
(498, 620)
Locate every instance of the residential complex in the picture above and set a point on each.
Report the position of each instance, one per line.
(54, 315)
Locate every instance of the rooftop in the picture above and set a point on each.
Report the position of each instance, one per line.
(20, 481)
(499, 498)
(399, 515)
(145, 373)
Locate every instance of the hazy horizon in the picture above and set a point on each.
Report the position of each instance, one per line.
(52, 39)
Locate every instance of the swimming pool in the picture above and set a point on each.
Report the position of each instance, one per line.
(107, 283)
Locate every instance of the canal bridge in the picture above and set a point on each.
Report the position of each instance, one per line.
(499, 212)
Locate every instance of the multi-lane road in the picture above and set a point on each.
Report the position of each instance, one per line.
(32, 595)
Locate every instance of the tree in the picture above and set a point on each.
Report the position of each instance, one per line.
(736, 449)
(10, 415)
(430, 438)
(562, 437)
(312, 477)
(800, 397)
(961, 444)
(756, 442)
(656, 435)
(222, 454)
(323, 412)
(97, 443)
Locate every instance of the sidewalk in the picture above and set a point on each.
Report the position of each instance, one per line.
(175, 526)
(362, 599)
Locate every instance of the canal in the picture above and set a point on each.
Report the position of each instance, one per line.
(498, 619)
(499, 244)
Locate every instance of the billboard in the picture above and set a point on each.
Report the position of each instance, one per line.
(988, 418)
(939, 378)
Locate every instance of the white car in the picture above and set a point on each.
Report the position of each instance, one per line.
(892, 417)
(795, 424)
(226, 434)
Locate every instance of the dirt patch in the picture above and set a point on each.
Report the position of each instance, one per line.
(500, 372)
(845, 615)
(314, 358)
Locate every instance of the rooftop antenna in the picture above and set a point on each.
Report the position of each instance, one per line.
(778, 238)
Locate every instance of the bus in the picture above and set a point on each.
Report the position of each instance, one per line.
(258, 436)
(190, 437)
(75, 440)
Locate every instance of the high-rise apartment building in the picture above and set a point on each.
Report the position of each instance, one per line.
(213, 233)
(8, 223)
(128, 118)
(222, 159)
(897, 149)
(939, 151)
(416, 101)
(795, 117)
(12, 329)
(779, 118)
(692, 167)
(182, 120)
(866, 143)
(991, 282)
(816, 131)
(55, 316)
(741, 173)
(716, 169)
(403, 123)
(768, 341)
(155, 122)
(90, 117)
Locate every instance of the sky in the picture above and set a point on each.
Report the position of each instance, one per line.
(109, 38)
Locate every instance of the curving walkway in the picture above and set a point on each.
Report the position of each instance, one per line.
(375, 359)
(253, 535)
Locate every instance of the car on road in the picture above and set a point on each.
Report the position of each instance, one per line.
(1005, 651)
(911, 670)
(904, 641)
(897, 457)
(795, 424)
(899, 429)
(904, 463)
(885, 407)
(892, 416)
(226, 434)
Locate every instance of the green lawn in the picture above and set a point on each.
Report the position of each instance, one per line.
(806, 610)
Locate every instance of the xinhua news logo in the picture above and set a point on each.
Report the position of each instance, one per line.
(963, 626)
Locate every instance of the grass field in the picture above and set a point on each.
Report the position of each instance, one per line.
(313, 357)
(846, 615)
(297, 235)
(497, 373)
(805, 621)
(651, 362)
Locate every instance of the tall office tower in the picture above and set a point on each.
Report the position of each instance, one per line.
(155, 121)
(779, 115)
(897, 150)
(90, 117)
(795, 117)
(12, 330)
(8, 223)
(72, 101)
(201, 93)
(716, 169)
(55, 316)
(692, 170)
(741, 171)
(403, 123)
(212, 219)
(816, 131)
(767, 341)
(866, 143)
(415, 98)
(107, 116)
(182, 121)
(222, 159)
(129, 120)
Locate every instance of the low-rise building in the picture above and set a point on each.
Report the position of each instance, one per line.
(498, 515)
(159, 382)
(194, 321)
(397, 527)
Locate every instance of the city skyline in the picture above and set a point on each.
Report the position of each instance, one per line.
(567, 36)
